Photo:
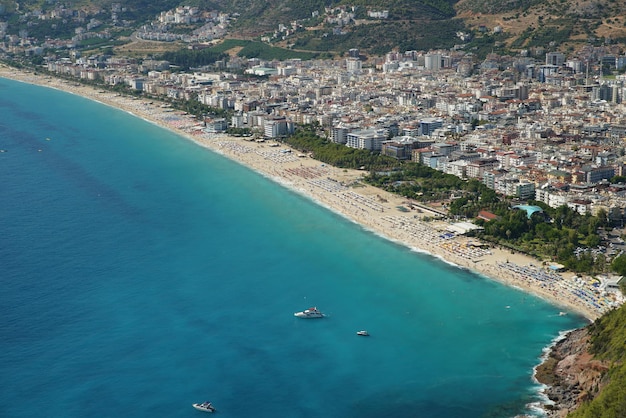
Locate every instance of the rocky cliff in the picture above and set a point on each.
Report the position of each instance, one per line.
(571, 373)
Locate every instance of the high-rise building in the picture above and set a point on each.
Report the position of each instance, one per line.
(555, 58)
(432, 62)
(353, 65)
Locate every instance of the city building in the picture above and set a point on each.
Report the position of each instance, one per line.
(369, 139)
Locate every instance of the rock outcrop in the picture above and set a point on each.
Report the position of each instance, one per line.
(572, 374)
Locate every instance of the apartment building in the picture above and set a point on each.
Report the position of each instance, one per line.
(369, 139)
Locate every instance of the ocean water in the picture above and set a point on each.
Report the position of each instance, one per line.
(141, 273)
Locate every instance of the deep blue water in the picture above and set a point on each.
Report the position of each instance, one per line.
(141, 273)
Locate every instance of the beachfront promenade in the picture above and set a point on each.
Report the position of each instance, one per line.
(383, 213)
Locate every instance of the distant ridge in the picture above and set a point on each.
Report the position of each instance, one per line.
(509, 25)
(377, 26)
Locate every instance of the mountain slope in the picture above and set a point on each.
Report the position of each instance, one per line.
(501, 26)
(566, 25)
(521, 24)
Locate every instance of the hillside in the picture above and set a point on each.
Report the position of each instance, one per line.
(532, 23)
(337, 26)
(263, 15)
(429, 24)
(586, 372)
(373, 26)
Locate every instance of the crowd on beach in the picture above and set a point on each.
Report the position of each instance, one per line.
(574, 289)
(373, 208)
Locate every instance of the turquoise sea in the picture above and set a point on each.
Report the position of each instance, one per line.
(141, 273)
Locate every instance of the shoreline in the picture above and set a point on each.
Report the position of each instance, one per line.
(389, 216)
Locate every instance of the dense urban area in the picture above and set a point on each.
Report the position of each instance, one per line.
(538, 126)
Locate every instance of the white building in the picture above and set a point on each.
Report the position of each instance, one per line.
(353, 65)
(277, 127)
(457, 168)
(552, 198)
(370, 139)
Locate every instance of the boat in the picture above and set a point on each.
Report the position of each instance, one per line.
(204, 406)
(363, 333)
(309, 313)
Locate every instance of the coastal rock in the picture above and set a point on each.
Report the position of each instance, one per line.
(572, 375)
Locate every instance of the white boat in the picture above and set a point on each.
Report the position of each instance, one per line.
(204, 407)
(363, 333)
(309, 313)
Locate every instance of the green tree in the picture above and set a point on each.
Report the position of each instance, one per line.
(619, 265)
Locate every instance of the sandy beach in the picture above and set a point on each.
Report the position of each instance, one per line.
(340, 190)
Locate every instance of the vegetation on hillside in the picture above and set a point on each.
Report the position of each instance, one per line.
(258, 16)
(141, 11)
(383, 37)
(496, 6)
(410, 25)
(408, 9)
(586, 9)
(272, 12)
(555, 24)
(187, 58)
(40, 30)
(264, 51)
(608, 337)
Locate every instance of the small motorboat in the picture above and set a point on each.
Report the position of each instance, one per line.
(204, 407)
(309, 313)
(363, 333)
